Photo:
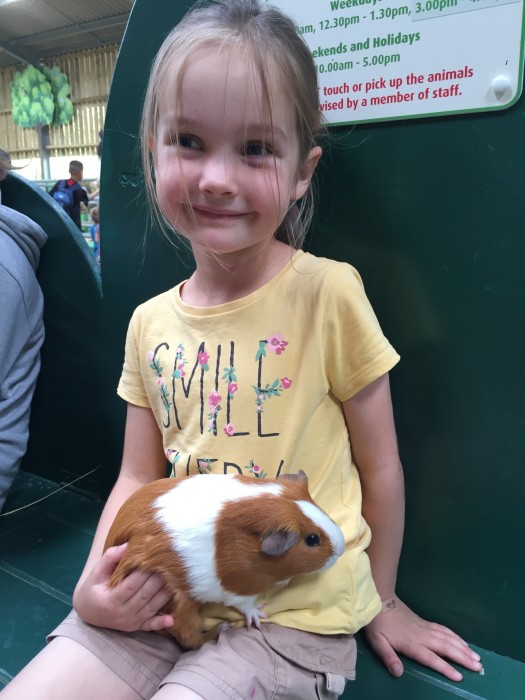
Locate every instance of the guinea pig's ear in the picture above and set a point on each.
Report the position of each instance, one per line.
(279, 542)
(300, 476)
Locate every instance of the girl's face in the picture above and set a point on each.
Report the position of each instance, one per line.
(226, 171)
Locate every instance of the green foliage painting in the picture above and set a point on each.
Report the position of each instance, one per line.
(32, 98)
(60, 87)
(40, 97)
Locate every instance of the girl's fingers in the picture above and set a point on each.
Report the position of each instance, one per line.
(127, 589)
(108, 563)
(386, 654)
(154, 603)
(428, 643)
(437, 663)
(453, 647)
(439, 647)
(147, 603)
(459, 652)
(157, 623)
(445, 630)
(146, 596)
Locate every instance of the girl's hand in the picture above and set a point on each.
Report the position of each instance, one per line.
(132, 605)
(398, 629)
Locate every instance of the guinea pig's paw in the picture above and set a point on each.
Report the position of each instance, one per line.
(253, 616)
(224, 626)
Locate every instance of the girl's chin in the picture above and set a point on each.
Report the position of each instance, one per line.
(222, 248)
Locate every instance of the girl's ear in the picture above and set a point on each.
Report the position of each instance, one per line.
(305, 173)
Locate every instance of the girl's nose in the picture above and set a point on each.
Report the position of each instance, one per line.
(218, 176)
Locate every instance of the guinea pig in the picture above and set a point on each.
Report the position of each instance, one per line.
(218, 538)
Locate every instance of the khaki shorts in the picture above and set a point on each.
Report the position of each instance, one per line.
(243, 664)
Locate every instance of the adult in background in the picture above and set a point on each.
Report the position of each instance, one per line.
(21, 331)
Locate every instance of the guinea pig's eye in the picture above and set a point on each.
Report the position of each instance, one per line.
(312, 540)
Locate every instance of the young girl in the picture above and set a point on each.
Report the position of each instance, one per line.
(266, 360)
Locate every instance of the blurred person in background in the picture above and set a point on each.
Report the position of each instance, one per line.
(21, 331)
(94, 231)
(70, 194)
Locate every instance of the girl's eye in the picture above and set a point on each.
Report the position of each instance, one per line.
(258, 148)
(183, 141)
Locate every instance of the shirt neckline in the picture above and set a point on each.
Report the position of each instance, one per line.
(237, 303)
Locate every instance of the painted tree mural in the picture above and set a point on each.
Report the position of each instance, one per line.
(40, 97)
(61, 89)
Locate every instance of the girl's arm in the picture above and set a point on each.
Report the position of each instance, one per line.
(135, 602)
(370, 422)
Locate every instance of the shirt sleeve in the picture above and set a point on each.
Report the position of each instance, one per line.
(355, 347)
(131, 385)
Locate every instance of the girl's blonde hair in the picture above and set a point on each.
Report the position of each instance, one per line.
(278, 52)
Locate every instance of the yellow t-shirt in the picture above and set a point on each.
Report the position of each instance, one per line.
(254, 387)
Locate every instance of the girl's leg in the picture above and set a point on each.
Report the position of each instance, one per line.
(64, 670)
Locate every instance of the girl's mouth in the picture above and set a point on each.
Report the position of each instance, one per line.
(209, 213)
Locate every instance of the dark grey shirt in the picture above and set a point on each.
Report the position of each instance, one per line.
(21, 336)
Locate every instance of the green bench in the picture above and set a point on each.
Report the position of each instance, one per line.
(431, 213)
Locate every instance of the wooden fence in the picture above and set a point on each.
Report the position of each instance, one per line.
(89, 74)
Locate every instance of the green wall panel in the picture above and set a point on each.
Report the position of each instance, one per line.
(431, 213)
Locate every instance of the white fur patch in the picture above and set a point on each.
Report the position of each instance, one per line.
(333, 531)
(188, 513)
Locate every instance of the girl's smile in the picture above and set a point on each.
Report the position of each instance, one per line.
(216, 214)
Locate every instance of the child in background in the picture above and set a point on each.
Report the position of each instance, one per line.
(266, 360)
(94, 230)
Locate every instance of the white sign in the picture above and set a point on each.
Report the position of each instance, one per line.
(395, 59)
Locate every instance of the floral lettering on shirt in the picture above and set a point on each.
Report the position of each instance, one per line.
(274, 390)
(202, 359)
(178, 370)
(206, 465)
(276, 344)
(220, 396)
(232, 386)
(214, 406)
(173, 457)
(154, 363)
(256, 470)
(179, 374)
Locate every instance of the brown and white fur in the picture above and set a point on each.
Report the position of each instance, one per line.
(222, 539)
